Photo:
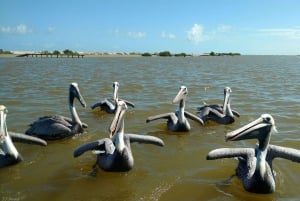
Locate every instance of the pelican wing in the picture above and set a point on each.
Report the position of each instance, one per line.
(50, 119)
(193, 117)
(50, 127)
(96, 105)
(69, 120)
(211, 112)
(160, 116)
(110, 103)
(245, 153)
(291, 154)
(104, 144)
(235, 113)
(53, 128)
(131, 104)
(147, 139)
(218, 107)
(19, 137)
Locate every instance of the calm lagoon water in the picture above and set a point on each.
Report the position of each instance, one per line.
(33, 87)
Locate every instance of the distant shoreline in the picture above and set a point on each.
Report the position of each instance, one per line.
(7, 55)
(85, 55)
(132, 55)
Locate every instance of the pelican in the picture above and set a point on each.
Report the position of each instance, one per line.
(114, 153)
(54, 127)
(110, 105)
(221, 114)
(255, 164)
(177, 121)
(8, 152)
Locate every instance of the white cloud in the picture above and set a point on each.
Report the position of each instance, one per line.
(224, 28)
(19, 29)
(288, 33)
(167, 35)
(51, 29)
(195, 34)
(5, 29)
(116, 32)
(22, 29)
(136, 34)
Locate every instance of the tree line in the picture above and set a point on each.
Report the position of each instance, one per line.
(169, 54)
(166, 54)
(5, 52)
(65, 52)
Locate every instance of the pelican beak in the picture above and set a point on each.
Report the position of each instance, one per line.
(81, 100)
(253, 130)
(75, 90)
(118, 119)
(181, 94)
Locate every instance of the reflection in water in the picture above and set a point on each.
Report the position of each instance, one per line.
(33, 87)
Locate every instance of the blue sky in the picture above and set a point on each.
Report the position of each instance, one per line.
(195, 26)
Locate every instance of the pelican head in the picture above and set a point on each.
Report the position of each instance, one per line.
(227, 92)
(7, 147)
(260, 129)
(75, 93)
(117, 124)
(181, 95)
(116, 88)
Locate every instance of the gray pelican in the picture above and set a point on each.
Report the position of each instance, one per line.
(8, 152)
(114, 153)
(255, 164)
(53, 127)
(110, 105)
(221, 114)
(177, 121)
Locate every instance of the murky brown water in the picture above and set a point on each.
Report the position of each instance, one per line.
(33, 87)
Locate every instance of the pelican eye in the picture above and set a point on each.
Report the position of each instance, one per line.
(268, 119)
(115, 84)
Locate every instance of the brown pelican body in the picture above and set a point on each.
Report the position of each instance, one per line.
(255, 164)
(221, 114)
(8, 152)
(53, 127)
(114, 153)
(109, 105)
(177, 121)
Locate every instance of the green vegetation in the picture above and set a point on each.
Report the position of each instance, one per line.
(5, 52)
(181, 55)
(212, 54)
(56, 52)
(146, 54)
(223, 54)
(165, 54)
(68, 52)
(133, 53)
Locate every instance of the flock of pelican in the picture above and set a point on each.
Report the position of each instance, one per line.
(114, 152)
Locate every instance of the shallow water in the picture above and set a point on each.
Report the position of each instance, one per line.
(33, 87)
